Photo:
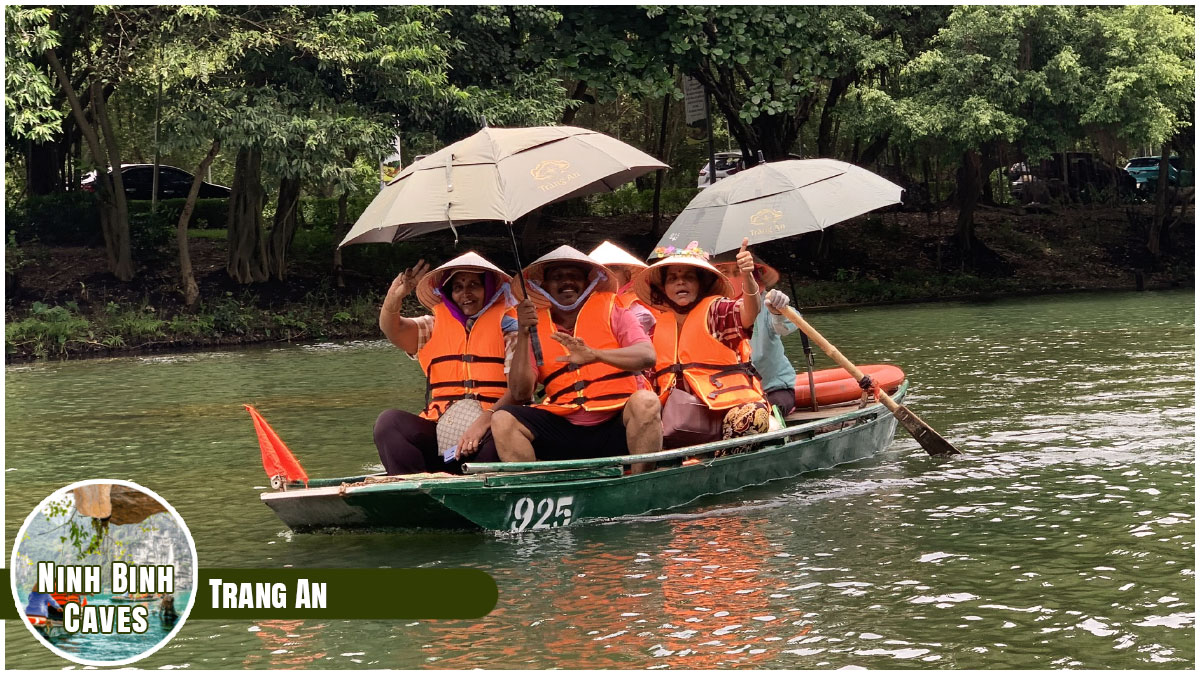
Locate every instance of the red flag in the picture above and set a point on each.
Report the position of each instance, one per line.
(276, 458)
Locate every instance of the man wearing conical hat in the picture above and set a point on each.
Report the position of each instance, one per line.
(703, 367)
(465, 349)
(596, 404)
(766, 340)
(623, 266)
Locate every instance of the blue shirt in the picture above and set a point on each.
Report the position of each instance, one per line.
(38, 603)
(766, 350)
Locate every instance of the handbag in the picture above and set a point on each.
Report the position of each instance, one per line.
(687, 421)
(455, 421)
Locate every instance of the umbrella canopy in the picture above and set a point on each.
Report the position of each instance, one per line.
(779, 199)
(498, 174)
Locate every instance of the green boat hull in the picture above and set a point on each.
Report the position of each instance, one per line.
(581, 490)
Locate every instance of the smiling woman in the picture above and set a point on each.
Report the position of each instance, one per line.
(707, 386)
(464, 348)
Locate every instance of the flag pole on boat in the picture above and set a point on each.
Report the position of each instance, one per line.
(281, 465)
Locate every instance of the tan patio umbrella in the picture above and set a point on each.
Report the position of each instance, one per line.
(498, 174)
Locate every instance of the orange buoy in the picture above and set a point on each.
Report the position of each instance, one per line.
(835, 385)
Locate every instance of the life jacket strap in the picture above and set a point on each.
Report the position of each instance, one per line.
(466, 358)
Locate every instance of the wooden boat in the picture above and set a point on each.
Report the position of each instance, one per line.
(541, 495)
(47, 627)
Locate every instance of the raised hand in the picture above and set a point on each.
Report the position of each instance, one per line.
(745, 264)
(402, 285)
(577, 350)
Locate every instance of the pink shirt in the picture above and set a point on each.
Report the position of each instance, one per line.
(628, 331)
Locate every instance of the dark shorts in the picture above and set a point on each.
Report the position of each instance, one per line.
(555, 438)
(785, 399)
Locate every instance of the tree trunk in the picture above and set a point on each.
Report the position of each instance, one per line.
(1154, 241)
(568, 115)
(191, 292)
(120, 217)
(42, 173)
(247, 257)
(114, 220)
(968, 197)
(284, 228)
(873, 151)
(658, 175)
(338, 232)
(837, 87)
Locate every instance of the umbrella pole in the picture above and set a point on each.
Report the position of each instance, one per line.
(533, 336)
(924, 434)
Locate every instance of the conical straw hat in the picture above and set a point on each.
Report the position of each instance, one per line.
(467, 262)
(611, 255)
(693, 256)
(535, 271)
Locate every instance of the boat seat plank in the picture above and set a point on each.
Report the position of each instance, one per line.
(806, 415)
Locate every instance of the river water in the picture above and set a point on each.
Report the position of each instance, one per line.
(1064, 538)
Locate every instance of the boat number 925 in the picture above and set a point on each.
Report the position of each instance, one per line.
(541, 515)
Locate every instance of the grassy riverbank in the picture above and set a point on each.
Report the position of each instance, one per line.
(61, 302)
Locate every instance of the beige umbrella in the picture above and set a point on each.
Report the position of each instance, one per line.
(776, 200)
(498, 174)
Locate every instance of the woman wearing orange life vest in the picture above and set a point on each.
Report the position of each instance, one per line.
(464, 349)
(701, 336)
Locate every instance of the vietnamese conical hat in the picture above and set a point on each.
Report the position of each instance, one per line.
(428, 287)
(692, 256)
(536, 271)
(611, 255)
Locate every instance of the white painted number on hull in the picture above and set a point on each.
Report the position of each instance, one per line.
(542, 515)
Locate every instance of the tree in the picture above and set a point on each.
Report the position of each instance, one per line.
(106, 42)
(767, 68)
(316, 84)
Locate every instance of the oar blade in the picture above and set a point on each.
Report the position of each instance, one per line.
(924, 434)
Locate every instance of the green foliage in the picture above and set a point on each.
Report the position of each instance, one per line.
(136, 324)
(152, 236)
(322, 212)
(14, 257)
(28, 88)
(48, 329)
(1137, 70)
(65, 219)
(627, 200)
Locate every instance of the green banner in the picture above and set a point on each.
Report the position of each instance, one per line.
(374, 594)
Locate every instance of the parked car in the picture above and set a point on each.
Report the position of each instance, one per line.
(172, 183)
(1088, 177)
(1145, 171)
(728, 163)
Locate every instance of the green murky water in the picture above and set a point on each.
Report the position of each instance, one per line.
(1063, 539)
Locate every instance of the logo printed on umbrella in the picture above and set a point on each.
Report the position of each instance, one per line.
(767, 221)
(553, 170)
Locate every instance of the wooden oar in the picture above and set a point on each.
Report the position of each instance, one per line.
(929, 439)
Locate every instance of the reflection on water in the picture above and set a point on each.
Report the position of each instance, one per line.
(1065, 537)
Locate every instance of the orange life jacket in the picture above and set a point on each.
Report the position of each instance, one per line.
(627, 298)
(459, 364)
(719, 376)
(595, 386)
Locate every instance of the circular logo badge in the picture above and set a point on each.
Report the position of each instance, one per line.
(103, 572)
